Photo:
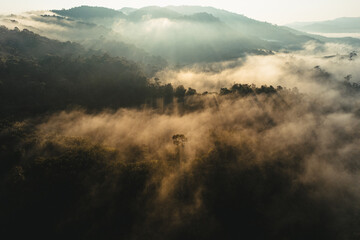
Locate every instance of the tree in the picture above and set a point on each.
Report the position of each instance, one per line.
(190, 92)
(180, 92)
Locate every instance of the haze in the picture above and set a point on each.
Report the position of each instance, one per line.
(273, 11)
(125, 121)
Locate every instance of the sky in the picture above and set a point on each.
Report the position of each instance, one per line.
(273, 11)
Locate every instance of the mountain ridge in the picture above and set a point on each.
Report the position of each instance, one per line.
(338, 25)
(178, 34)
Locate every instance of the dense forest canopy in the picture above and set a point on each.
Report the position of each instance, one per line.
(204, 124)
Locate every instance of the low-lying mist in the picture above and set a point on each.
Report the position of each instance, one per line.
(257, 147)
(313, 69)
(277, 164)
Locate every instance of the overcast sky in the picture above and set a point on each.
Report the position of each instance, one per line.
(274, 11)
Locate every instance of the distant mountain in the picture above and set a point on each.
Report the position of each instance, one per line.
(127, 10)
(202, 17)
(178, 34)
(87, 12)
(151, 13)
(339, 25)
(355, 42)
(188, 34)
(158, 12)
(245, 25)
(193, 34)
(238, 23)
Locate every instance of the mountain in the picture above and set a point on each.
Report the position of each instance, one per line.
(351, 41)
(339, 25)
(38, 74)
(152, 12)
(127, 10)
(37, 42)
(27, 44)
(179, 38)
(186, 39)
(179, 34)
(245, 25)
(202, 17)
(87, 12)
(189, 34)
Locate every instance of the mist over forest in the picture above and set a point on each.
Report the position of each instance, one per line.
(178, 122)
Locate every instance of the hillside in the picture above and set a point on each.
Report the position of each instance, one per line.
(28, 44)
(339, 25)
(178, 35)
(247, 26)
(87, 12)
(38, 75)
(152, 12)
(184, 35)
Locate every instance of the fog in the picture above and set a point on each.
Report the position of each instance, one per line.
(316, 69)
(258, 139)
(308, 136)
(180, 35)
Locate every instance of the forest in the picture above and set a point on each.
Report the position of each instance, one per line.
(104, 144)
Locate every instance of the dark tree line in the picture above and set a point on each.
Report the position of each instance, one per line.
(246, 89)
(30, 86)
(54, 83)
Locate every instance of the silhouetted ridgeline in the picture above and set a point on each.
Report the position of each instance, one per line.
(86, 12)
